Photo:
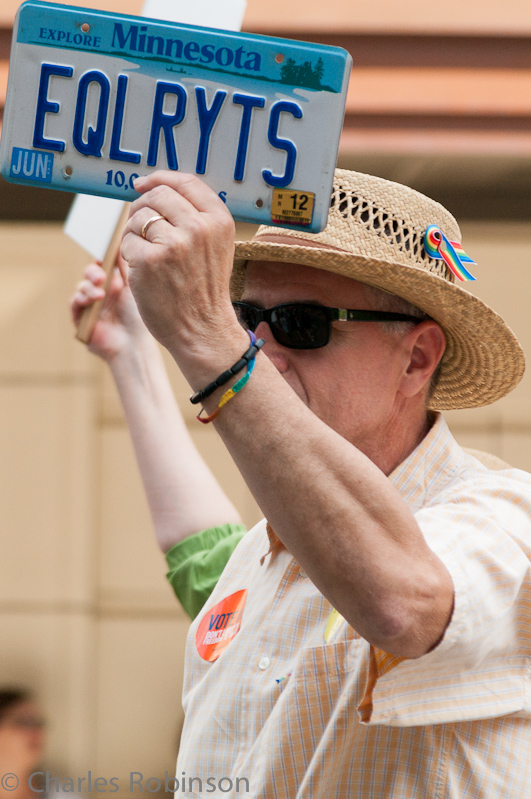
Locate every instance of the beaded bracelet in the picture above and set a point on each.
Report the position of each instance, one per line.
(228, 395)
(224, 377)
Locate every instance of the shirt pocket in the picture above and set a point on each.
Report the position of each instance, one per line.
(317, 705)
(323, 673)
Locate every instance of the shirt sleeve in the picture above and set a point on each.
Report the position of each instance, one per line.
(196, 563)
(480, 669)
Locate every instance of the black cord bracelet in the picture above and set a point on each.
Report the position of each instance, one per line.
(201, 395)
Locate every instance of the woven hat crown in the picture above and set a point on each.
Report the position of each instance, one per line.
(375, 218)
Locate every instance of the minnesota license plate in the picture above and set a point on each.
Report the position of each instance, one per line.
(95, 99)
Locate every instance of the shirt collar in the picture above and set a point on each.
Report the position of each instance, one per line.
(432, 464)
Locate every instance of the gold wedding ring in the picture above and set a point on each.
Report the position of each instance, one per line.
(150, 221)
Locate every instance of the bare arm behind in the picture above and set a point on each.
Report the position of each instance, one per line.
(183, 494)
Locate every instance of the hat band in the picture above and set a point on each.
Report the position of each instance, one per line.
(295, 241)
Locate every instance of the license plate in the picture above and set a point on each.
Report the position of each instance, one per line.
(95, 99)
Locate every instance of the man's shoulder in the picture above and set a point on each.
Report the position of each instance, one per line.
(468, 487)
(483, 474)
(439, 470)
(484, 499)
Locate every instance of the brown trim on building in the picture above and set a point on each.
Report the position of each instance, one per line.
(5, 43)
(380, 50)
(461, 122)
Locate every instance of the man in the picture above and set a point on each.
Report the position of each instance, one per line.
(371, 639)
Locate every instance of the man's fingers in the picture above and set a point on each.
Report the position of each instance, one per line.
(166, 218)
(190, 187)
(134, 249)
(165, 201)
(183, 200)
(157, 228)
(150, 224)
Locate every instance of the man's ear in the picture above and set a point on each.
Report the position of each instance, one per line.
(425, 345)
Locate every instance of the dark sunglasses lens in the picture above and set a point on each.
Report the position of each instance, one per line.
(246, 315)
(299, 326)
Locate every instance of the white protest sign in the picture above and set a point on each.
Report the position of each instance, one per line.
(92, 220)
(223, 14)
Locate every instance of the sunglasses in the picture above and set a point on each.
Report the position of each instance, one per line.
(305, 326)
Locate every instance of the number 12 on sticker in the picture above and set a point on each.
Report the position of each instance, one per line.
(294, 207)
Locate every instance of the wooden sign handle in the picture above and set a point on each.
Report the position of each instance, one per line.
(91, 314)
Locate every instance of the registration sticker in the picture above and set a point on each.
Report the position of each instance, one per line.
(219, 626)
(292, 207)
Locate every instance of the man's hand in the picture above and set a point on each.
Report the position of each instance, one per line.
(180, 273)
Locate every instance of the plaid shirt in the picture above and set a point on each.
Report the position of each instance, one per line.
(300, 716)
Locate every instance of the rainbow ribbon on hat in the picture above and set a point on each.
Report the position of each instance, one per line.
(451, 252)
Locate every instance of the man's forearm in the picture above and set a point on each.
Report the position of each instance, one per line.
(334, 509)
(339, 516)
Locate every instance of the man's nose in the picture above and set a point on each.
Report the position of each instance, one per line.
(264, 331)
(277, 354)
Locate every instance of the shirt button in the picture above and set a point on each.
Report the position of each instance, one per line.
(302, 573)
(264, 663)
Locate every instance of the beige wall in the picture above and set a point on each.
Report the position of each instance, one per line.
(503, 253)
(85, 614)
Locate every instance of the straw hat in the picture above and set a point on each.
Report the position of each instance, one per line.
(375, 234)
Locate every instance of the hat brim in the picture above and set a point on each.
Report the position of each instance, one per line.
(483, 360)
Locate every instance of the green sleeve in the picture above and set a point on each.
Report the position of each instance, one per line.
(195, 564)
